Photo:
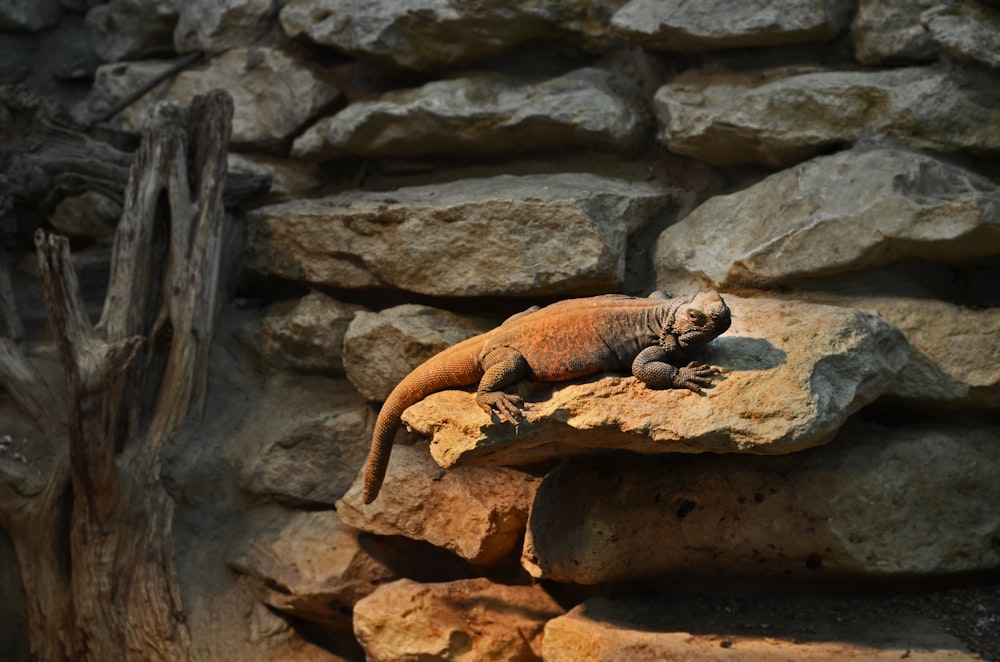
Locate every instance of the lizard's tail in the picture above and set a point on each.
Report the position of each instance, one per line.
(456, 366)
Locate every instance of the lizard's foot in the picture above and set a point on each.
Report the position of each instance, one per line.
(505, 406)
(696, 376)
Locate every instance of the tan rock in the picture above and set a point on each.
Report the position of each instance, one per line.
(606, 630)
(891, 32)
(584, 109)
(470, 620)
(213, 26)
(308, 334)
(781, 117)
(506, 235)
(875, 502)
(381, 348)
(793, 373)
(479, 513)
(676, 25)
(833, 215)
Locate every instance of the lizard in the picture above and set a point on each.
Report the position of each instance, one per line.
(574, 338)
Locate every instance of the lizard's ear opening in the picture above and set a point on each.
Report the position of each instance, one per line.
(696, 317)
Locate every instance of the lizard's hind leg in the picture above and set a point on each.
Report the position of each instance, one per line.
(502, 367)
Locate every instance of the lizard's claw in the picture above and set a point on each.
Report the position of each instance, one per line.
(504, 406)
(696, 376)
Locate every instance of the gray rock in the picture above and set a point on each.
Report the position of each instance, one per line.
(852, 211)
(585, 109)
(29, 15)
(891, 32)
(275, 95)
(213, 26)
(793, 373)
(132, 29)
(676, 25)
(290, 178)
(432, 35)
(875, 502)
(307, 334)
(781, 117)
(527, 235)
(381, 348)
(478, 513)
(966, 32)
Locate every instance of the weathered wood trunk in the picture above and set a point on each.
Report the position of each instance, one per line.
(131, 380)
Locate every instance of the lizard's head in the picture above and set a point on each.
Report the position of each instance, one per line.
(698, 321)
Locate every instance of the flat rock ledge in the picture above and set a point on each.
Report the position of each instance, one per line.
(793, 373)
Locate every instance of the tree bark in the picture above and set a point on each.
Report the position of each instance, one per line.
(131, 381)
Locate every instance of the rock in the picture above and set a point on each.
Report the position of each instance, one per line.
(312, 567)
(29, 15)
(214, 27)
(274, 94)
(311, 460)
(704, 26)
(507, 235)
(89, 216)
(382, 348)
(889, 32)
(132, 29)
(468, 620)
(307, 334)
(479, 513)
(966, 32)
(435, 35)
(585, 109)
(793, 373)
(833, 215)
(290, 178)
(875, 502)
(780, 117)
(603, 629)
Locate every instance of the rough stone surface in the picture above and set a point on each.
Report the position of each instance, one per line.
(966, 31)
(89, 216)
(431, 35)
(848, 212)
(793, 373)
(867, 504)
(676, 25)
(606, 630)
(506, 235)
(290, 178)
(274, 94)
(781, 117)
(308, 333)
(889, 32)
(479, 513)
(214, 26)
(463, 621)
(381, 348)
(587, 108)
(29, 14)
(132, 29)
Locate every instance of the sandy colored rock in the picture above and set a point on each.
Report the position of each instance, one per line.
(214, 26)
(479, 513)
(781, 117)
(308, 333)
(584, 109)
(875, 502)
(381, 348)
(676, 25)
(464, 621)
(890, 32)
(833, 215)
(505, 235)
(274, 94)
(607, 630)
(793, 373)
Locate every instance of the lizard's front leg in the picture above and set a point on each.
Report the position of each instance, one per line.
(651, 368)
(502, 367)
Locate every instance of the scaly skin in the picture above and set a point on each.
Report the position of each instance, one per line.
(574, 338)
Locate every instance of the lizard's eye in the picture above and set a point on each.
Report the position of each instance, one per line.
(696, 317)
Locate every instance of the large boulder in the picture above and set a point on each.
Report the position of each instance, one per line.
(833, 215)
(676, 25)
(875, 502)
(507, 235)
(587, 108)
(793, 373)
(780, 117)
